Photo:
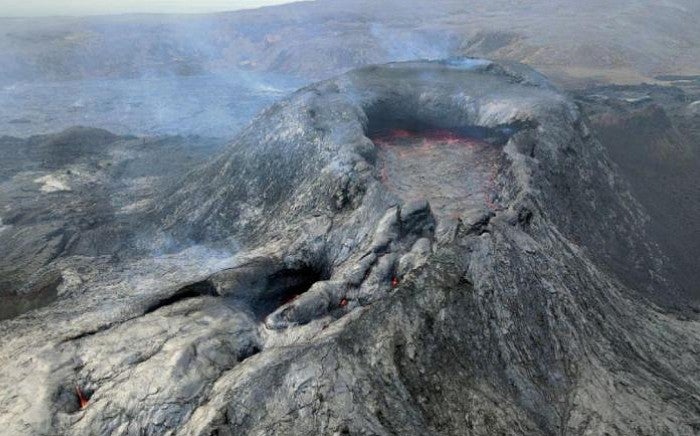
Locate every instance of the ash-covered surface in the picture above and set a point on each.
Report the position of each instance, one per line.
(653, 134)
(323, 285)
(78, 193)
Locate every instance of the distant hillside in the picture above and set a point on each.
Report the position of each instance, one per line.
(623, 41)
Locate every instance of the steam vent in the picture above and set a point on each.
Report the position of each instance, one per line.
(423, 248)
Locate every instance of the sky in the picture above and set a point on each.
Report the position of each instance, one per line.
(34, 8)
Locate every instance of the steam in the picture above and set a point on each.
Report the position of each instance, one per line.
(141, 76)
(205, 75)
(404, 45)
(468, 63)
(207, 105)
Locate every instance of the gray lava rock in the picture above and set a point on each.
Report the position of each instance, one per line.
(469, 295)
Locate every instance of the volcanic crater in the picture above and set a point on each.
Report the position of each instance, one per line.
(412, 162)
(413, 247)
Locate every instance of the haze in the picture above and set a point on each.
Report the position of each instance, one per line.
(349, 217)
(38, 8)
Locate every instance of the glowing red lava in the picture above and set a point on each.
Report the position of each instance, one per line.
(82, 400)
(453, 172)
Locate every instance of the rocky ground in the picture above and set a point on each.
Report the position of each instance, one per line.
(415, 248)
(74, 194)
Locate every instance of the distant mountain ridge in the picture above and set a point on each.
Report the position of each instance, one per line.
(623, 41)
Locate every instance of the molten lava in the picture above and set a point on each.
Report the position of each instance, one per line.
(453, 172)
(82, 399)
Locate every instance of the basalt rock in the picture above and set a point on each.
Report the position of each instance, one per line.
(414, 248)
(78, 194)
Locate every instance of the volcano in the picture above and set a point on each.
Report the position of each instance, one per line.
(412, 248)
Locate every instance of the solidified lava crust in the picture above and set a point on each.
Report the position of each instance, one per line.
(351, 301)
(453, 172)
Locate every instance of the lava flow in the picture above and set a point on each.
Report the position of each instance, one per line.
(453, 172)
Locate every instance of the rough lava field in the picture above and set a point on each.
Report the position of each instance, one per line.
(406, 158)
(345, 217)
(327, 273)
(211, 105)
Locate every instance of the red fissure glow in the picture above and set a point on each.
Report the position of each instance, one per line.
(82, 400)
(430, 135)
(424, 140)
(452, 171)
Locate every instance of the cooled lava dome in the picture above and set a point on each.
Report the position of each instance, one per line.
(413, 248)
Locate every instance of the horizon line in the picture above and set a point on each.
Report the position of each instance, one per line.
(274, 3)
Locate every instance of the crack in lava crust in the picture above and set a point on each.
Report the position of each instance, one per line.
(454, 173)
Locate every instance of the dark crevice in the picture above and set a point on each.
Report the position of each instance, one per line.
(72, 398)
(87, 333)
(198, 289)
(524, 216)
(480, 226)
(284, 286)
(248, 351)
(99, 329)
(386, 117)
(420, 224)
